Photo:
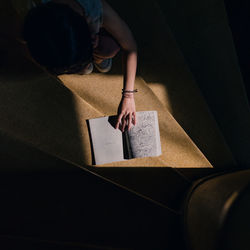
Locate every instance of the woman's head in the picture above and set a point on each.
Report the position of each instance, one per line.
(58, 38)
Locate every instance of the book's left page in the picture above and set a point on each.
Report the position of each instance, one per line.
(106, 140)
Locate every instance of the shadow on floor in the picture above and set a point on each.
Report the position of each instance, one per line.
(81, 209)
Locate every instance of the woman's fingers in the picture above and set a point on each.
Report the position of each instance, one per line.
(134, 116)
(119, 120)
(130, 121)
(126, 120)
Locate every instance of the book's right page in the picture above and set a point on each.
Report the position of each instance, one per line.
(144, 138)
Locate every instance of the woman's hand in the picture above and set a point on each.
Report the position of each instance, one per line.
(126, 113)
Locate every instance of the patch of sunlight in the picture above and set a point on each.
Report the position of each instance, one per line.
(161, 92)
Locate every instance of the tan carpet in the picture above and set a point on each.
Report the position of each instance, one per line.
(102, 93)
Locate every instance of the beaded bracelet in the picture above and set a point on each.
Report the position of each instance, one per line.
(128, 93)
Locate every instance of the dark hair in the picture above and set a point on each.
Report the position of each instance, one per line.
(58, 38)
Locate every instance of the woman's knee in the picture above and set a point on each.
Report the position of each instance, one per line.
(107, 47)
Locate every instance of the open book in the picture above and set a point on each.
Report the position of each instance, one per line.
(110, 144)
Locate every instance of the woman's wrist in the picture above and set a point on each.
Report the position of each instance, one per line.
(126, 95)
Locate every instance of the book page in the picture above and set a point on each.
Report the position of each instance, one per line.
(145, 136)
(106, 140)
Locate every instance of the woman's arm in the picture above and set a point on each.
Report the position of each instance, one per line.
(121, 32)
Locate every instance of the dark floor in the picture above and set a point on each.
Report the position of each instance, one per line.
(239, 21)
(77, 210)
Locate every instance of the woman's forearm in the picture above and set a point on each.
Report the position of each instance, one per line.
(129, 69)
(123, 35)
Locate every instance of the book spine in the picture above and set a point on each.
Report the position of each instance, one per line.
(127, 152)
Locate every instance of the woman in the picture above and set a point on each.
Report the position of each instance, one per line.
(68, 36)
